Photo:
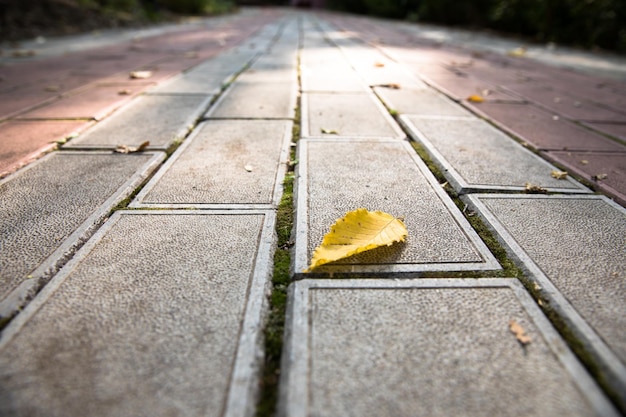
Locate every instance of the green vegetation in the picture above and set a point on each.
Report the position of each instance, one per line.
(586, 23)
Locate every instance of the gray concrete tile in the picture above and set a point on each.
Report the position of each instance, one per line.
(256, 100)
(158, 119)
(573, 248)
(49, 209)
(475, 156)
(333, 79)
(425, 102)
(234, 163)
(428, 347)
(349, 115)
(159, 314)
(338, 176)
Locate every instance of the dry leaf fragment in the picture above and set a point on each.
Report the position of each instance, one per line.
(329, 131)
(379, 64)
(248, 167)
(534, 189)
(599, 177)
(124, 92)
(517, 52)
(475, 98)
(390, 85)
(358, 231)
(584, 162)
(519, 332)
(140, 75)
(559, 175)
(131, 149)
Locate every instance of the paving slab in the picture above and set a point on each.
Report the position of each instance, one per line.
(159, 314)
(23, 141)
(90, 103)
(428, 347)
(348, 115)
(50, 208)
(224, 164)
(380, 73)
(617, 130)
(254, 100)
(334, 79)
(545, 234)
(543, 129)
(338, 176)
(158, 119)
(423, 101)
(460, 87)
(606, 171)
(475, 156)
(272, 68)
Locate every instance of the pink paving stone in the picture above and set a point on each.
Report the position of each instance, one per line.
(617, 130)
(93, 102)
(21, 141)
(461, 87)
(591, 165)
(565, 104)
(541, 130)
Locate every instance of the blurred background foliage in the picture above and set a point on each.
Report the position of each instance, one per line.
(586, 23)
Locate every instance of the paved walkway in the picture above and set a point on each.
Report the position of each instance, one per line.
(137, 283)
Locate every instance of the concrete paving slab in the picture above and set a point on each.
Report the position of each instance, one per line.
(159, 314)
(22, 141)
(90, 103)
(224, 164)
(335, 79)
(543, 129)
(390, 73)
(424, 101)
(254, 100)
(273, 68)
(50, 208)
(158, 119)
(573, 249)
(475, 156)
(338, 176)
(607, 171)
(460, 87)
(428, 347)
(348, 115)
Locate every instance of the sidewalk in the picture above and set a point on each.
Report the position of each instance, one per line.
(143, 283)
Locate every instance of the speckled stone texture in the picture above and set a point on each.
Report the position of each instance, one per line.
(427, 348)
(349, 115)
(476, 156)
(337, 176)
(55, 204)
(158, 119)
(425, 102)
(580, 245)
(224, 162)
(146, 321)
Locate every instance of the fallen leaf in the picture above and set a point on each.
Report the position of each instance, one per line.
(599, 177)
(584, 162)
(131, 149)
(517, 52)
(140, 75)
(248, 168)
(358, 231)
(124, 92)
(329, 131)
(475, 98)
(390, 85)
(534, 189)
(519, 332)
(379, 64)
(559, 175)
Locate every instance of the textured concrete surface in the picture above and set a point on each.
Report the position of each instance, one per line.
(166, 339)
(574, 249)
(252, 100)
(425, 102)
(427, 348)
(224, 163)
(476, 156)
(158, 119)
(337, 176)
(51, 208)
(349, 115)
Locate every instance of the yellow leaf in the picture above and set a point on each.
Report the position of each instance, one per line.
(329, 131)
(517, 52)
(140, 75)
(534, 189)
(559, 175)
(475, 98)
(519, 332)
(131, 149)
(358, 231)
